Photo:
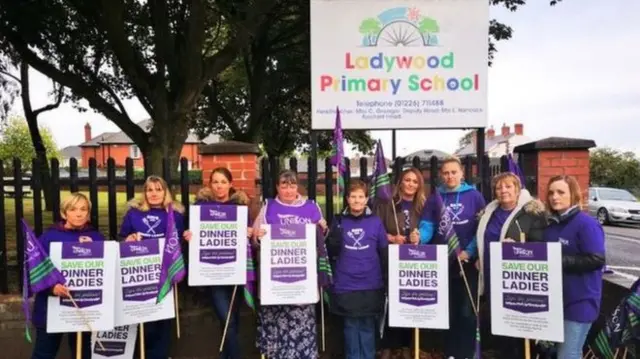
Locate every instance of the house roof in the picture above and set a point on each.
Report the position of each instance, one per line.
(71, 151)
(113, 138)
(489, 143)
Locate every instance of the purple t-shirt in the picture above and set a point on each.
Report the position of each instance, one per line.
(151, 224)
(492, 234)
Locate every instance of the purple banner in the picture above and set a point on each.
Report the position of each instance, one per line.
(418, 298)
(83, 298)
(218, 256)
(525, 303)
(418, 253)
(71, 250)
(142, 248)
(218, 213)
(524, 251)
(140, 293)
(111, 348)
(288, 274)
(291, 231)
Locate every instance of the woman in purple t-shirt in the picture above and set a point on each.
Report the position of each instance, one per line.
(147, 219)
(512, 212)
(583, 257)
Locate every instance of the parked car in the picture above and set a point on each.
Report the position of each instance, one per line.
(613, 205)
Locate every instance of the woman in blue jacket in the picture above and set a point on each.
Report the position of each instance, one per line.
(75, 211)
(463, 204)
(583, 257)
(359, 241)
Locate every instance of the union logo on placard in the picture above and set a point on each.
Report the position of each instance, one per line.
(285, 232)
(138, 249)
(417, 254)
(522, 252)
(217, 214)
(400, 27)
(81, 251)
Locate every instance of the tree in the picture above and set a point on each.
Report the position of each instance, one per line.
(499, 31)
(9, 91)
(612, 168)
(31, 116)
(371, 28)
(16, 143)
(161, 52)
(429, 26)
(264, 96)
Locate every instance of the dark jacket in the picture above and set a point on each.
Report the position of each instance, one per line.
(384, 210)
(529, 218)
(358, 303)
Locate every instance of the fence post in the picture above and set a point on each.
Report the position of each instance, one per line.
(93, 192)
(36, 189)
(4, 278)
(17, 188)
(111, 188)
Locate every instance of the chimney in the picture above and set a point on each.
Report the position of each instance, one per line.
(505, 130)
(518, 129)
(87, 132)
(491, 133)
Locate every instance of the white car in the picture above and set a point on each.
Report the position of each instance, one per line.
(613, 205)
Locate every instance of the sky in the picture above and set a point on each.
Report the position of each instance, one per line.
(570, 71)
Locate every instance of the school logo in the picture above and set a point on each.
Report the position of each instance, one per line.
(455, 210)
(399, 27)
(356, 235)
(152, 223)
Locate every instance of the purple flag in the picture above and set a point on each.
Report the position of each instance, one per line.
(250, 287)
(39, 273)
(446, 232)
(172, 270)
(380, 186)
(337, 158)
(515, 169)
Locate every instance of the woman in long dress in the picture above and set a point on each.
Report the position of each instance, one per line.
(288, 331)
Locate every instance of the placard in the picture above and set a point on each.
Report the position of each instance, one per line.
(137, 285)
(418, 286)
(526, 290)
(119, 343)
(89, 270)
(396, 64)
(288, 265)
(218, 249)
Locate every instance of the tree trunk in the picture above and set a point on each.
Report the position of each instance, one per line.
(166, 139)
(41, 156)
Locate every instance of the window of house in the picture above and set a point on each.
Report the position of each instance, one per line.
(134, 151)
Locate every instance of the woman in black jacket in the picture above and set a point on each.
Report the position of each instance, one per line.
(512, 214)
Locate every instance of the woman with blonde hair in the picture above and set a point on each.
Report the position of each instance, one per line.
(511, 214)
(401, 217)
(583, 257)
(147, 219)
(75, 212)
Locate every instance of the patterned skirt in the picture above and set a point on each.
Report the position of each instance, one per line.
(288, 332)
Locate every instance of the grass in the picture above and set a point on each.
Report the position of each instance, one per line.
(103, 215)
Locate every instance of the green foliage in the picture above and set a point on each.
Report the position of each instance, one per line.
(612, 168)
(15, 142)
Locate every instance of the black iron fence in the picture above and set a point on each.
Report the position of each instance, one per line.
(110, 190)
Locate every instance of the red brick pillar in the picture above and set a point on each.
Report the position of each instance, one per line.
(239, 157)
(556, 156)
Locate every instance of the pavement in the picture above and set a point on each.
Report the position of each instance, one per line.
(623, 253)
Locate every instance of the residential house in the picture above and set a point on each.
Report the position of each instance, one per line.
(497, 145)
(119, 146)
(67, 153)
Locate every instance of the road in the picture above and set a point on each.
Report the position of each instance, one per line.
(623, 253)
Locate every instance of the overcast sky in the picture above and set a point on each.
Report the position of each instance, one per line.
(570, 70)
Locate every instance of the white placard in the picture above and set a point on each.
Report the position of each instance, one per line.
(218, 249)
(526, 290)
(137, 285)
(397, 64)
(89, 269)
(418, 286)
(288, 265)
(119, 343)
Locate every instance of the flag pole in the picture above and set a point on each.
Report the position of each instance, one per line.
(78, 345)
(324, 342)
(177, 306)
(527, 343)
(226, 324)
(142, 353)
(86, 321)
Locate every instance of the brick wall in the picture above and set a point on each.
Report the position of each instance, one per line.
(564, 162)
(240, 158)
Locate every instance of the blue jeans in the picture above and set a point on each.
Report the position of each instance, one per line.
(575, 335)
(360, 337)
(48, 344)
(157, 339)
(221, 299)
(460, 338)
